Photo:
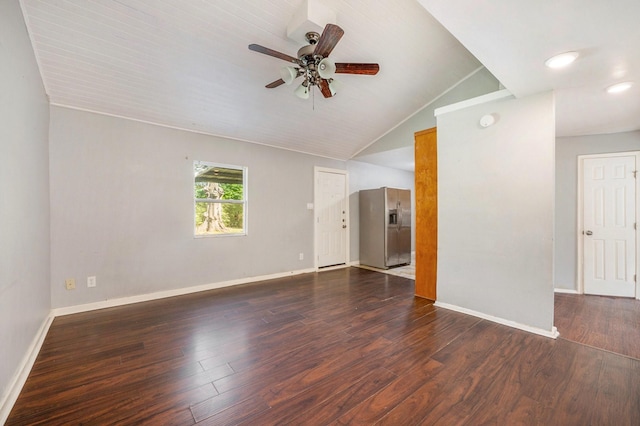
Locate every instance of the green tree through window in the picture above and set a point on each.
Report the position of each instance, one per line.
(220, 199)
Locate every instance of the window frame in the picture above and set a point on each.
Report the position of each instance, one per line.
(244, 202)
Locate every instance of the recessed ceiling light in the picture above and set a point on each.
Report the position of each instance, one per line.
(620, 87)
(561, 60)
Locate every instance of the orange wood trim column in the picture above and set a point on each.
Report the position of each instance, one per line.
(426, 211)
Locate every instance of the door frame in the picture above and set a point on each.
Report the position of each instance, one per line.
(316, 175)
(580, 221)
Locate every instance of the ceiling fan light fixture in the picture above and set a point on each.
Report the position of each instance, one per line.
(561, 60)
(288, 74)
(313, 64)
(334, 86)
(619, 87)
(302, 91)
(326, 68)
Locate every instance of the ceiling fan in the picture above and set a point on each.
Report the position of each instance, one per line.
(314, 65)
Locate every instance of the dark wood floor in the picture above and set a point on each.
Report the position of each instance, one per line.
(348, 346)
(610, 323)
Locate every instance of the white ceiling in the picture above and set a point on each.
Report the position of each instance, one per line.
(186, 64)
(513, 38)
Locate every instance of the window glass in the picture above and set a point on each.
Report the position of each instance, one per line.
(220, 199)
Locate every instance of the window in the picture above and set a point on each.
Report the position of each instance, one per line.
(220, 199)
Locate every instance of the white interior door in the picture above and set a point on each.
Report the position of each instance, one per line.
(331, 218)
(609, 215)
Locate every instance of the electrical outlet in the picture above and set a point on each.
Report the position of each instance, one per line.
(91, 281)
(70, 283)
(301, 256)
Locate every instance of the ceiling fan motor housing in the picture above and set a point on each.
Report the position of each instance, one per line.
(306, 52)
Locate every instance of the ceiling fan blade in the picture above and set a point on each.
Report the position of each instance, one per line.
(328, 40)
(276, 83)
(271, 52)
(366, 69)
(323, 85)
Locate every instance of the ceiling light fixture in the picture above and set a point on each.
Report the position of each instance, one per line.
(288, 74)
(303, 90)
(334, 86)
(326, 68)
(620, 87)
(315, 69)
(562, 60)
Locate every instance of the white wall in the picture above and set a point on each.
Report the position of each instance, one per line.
(495, 210)
(24, 196)
(567, 151)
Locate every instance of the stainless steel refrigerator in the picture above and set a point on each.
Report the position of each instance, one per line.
(385, 227)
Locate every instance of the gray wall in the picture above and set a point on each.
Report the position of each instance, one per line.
(24, 195)
(122, 208)
(495, 210)
(567, 151)
(479, 83)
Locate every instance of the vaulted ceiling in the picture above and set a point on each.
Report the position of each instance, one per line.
(186, 64)
(514, 38)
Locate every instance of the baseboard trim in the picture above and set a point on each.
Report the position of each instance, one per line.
(553, 333)
(20, 378)
(110, 303)
(565, 290)
(17, 382)
(370, 268)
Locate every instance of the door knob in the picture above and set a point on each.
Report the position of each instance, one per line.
(589, 233)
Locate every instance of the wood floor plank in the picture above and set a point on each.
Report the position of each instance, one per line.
(281, 345)
(509, 387)
(574, 404)
(284, 366)
(609, 323)
(375, 407)
(523, 412)
(331, 364)
(162, 405)
(348, 346)
(448, 397)
(207, 413)
(473, 362)
(388, 317)
(172, 417)
(328, 400)
(342, 402)
(617, 376)
(413, 348)
(74, 403)
(500, 386)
